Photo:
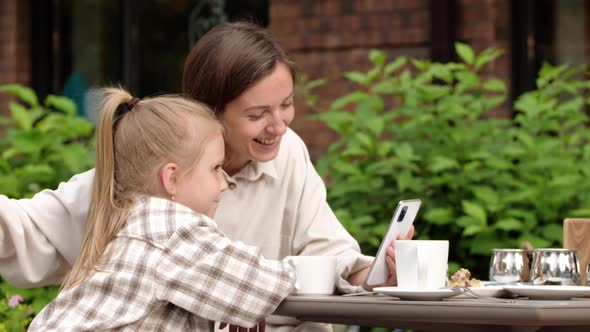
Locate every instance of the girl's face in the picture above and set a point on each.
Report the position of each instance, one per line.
(258, 118)
(200, 189)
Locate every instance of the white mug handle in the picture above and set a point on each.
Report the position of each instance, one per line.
(293, 264)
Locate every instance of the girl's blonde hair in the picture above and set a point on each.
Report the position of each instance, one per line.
(135, 138)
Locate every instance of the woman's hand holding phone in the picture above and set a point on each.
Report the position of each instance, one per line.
(390, 257)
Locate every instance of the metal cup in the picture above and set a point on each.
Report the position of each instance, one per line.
(555, 267)
(510, 265)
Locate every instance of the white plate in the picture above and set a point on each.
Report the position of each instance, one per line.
(543, 292)
(417, 294)
(487, 291)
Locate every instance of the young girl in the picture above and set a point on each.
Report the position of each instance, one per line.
(152, 259)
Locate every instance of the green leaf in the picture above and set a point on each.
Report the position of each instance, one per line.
(495, 85)
(536, 241)
(337, 120)
(433, 92)
(439, 216)
(21, 116)
(347, 99)
(384, 148)
(61, 103)
(486, 194)
(464, 221)
(75, 159)
(442, 72)
(377, 57)
(465, 52)
(420, 64)
(548, 73)
(372, 75)
(346, 168)
(492, 102)
(24, 93)
(405, 181)
(36, 173)
(441, 163)
(508, 224)
(27, 142)
(65, 127)
(357, 77)
(486, 56)
(473, 229)
(386, 87)
(316, 83)
(365, 140)
(395, 65)
(404, 151)
(526, 139)
(476, 211)
(579, 213)
(9, 186)
(468, 80)
(354, 151)
(375, 125)
(553, 232)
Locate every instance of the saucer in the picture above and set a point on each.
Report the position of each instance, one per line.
(417, 294)
(487, 291)
(547, 292)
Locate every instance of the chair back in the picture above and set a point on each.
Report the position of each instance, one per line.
(576, 235)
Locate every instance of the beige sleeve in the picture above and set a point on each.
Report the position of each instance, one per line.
(41, 237)
(319, 232)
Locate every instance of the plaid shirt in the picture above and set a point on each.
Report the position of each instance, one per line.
(170, 269)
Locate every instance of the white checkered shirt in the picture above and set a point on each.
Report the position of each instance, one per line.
(170, 269)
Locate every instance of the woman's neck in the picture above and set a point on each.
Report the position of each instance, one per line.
(233, 165)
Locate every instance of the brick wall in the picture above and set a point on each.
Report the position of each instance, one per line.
(483, 24)
(14, 46)
(328, 37)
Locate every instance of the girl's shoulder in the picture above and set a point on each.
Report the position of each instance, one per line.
(155, 219)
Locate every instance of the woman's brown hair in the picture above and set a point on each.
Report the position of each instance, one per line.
(135, 138)
(228, 60)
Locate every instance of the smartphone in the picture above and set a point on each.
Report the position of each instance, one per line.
(400, 224)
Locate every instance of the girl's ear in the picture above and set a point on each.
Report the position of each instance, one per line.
(168, 178)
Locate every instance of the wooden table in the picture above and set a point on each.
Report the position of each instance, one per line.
(447, 315)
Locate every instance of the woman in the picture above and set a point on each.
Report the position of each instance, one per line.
(276, 200)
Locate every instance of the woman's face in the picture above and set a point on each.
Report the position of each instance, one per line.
(257, 119)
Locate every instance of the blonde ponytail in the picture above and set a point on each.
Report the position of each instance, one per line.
(105, 217)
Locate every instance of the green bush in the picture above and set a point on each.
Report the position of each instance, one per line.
(41, 145)
(420, 129)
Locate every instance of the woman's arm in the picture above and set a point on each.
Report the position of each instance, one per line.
(41, 237)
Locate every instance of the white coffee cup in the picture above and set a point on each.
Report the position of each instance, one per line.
(421, 264)
(314, 274)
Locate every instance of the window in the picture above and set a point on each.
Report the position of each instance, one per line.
(140, 44)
